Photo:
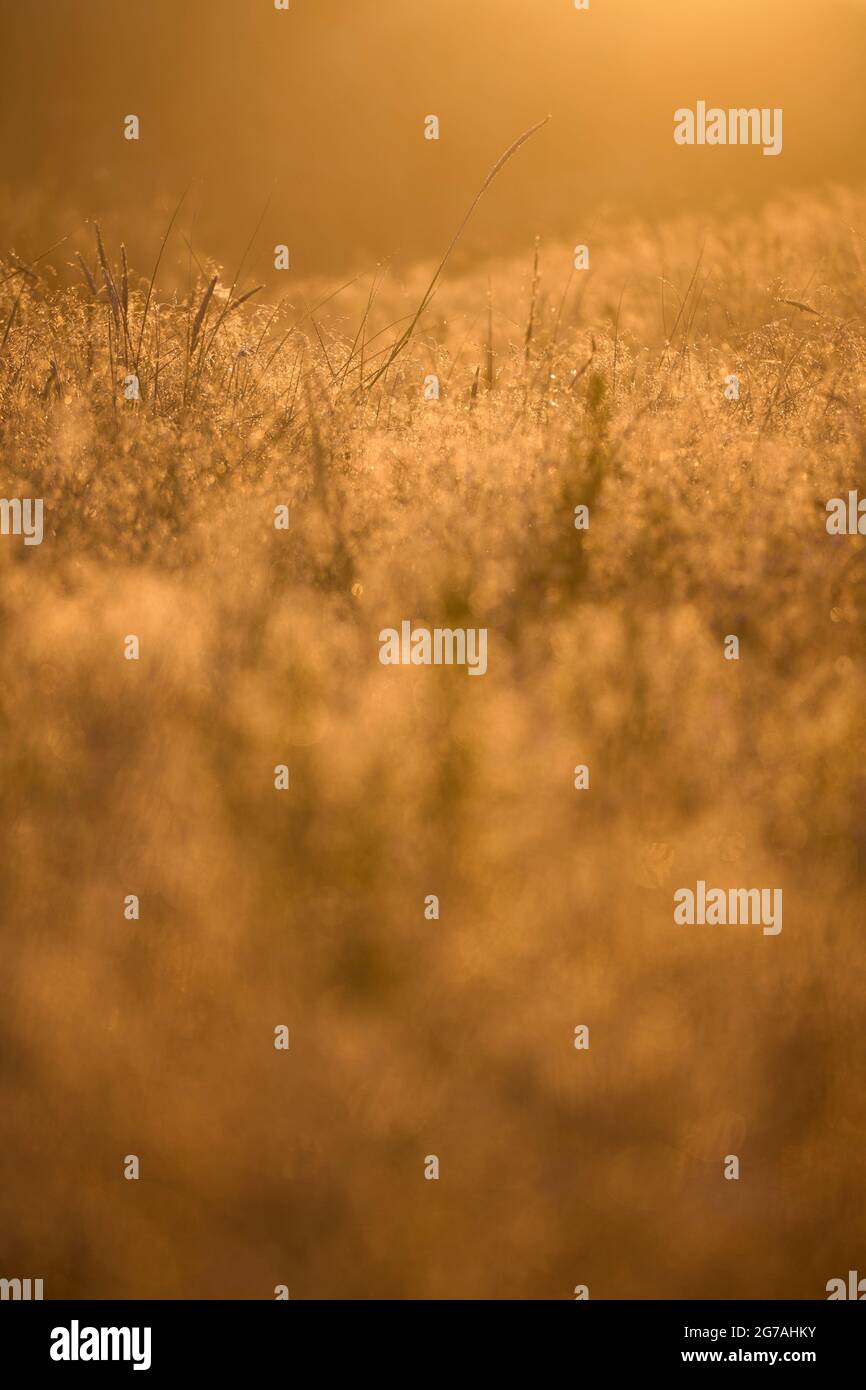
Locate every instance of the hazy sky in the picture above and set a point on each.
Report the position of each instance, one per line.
(322, 108)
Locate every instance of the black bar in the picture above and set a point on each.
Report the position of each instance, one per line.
(413, 1341)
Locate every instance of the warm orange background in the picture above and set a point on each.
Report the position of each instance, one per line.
(321, 109)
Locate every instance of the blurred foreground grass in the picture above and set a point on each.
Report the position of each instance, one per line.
(260, 647)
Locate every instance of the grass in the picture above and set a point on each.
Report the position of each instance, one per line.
(259, 647)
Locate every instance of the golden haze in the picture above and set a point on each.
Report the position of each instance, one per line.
(259, 647)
